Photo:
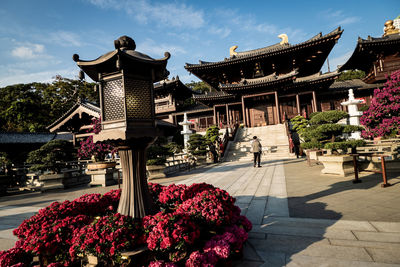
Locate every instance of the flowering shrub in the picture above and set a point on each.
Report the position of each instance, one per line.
(170, 234)
(98, 150)
(170, 196)
(15, 256)
(176, 236)
(383, 115)
(106, 237)
(213, 208)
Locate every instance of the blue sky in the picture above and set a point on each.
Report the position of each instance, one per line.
(38, 37)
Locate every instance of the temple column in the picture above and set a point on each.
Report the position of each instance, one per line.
(244, 113)
(278, 117)
(298, 104)
(228, 121)
(215, 116)
(248, 117)
(314, 100)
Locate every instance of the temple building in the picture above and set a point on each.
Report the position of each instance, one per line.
(264, 86)
(377, 57)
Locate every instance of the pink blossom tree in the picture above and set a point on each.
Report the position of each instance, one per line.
(383, 115)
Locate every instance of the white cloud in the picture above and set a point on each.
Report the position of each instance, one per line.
(338, 17)
(28, 51)
(65, 38)
(44, 76)
(156, 50)
(221, 32)
(340, 60)
(144, 11)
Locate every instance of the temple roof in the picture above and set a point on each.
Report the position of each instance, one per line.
(31, 138)
(265, 81)
(194, 109)
(174, 86)
(78, 108)
(213, 96)
(354, 84)
(267, 51)
(367, 50)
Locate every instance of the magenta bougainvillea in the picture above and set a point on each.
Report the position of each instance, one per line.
(196, 225)
(98, 150)
(383, 115)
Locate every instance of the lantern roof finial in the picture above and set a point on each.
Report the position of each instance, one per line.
(125, 43)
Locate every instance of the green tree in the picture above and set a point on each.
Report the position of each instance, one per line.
(351, 74)
(51, 156)
(200, 87)
(32, 107)
(197, 145)
(212, 134)
(323, 131)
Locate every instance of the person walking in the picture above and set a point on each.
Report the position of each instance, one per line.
(257, 149)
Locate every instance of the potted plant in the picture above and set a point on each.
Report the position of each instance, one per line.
(49, 160)
(324, 131)
(100, 170)
(198, 147)
(157, 155)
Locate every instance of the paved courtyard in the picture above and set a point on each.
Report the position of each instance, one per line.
(300, 218)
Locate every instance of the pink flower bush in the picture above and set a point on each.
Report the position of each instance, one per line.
(213, 208)
(15, 256)
(177, 235)
(98, 150)
(383, 115)
(170, 234)
(106, 237)
(170, 196)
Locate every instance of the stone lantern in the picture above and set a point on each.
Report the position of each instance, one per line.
(126, 79)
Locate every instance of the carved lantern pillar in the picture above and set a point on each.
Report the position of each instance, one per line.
(126, 79)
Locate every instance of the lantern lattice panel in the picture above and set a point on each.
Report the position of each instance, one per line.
(139, 102)
(113, 99)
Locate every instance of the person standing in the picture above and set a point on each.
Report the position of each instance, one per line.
(257, 149)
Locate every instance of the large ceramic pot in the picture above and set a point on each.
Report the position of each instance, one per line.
(101, 165)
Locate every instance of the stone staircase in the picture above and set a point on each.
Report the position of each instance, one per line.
(273, 138)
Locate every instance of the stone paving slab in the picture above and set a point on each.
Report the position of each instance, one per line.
(300, 218)
(308, 261)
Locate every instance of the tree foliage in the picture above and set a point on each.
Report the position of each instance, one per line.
(323, 131)
(383, 115)
(212, 134)
(158, 152)
(200, 87)
(32, 107)
(51, 156)
(351, 74)
(197, 145)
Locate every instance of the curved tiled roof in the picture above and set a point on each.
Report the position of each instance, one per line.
(213, 96)
(84, 104)
(31, 138)
(267, 51)
(263, 81)
(366, 50)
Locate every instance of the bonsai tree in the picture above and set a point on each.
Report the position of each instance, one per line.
(197, 145)
(211, 137)
(51, 156)
(158, 152)
(299, 124)
(5, 162)
(383, 115)
(324, 132)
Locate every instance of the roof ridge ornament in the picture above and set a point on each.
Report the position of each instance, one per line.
(284, 38)
(125, 43)
(232, 51)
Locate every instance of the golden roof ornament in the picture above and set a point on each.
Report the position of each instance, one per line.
(232, 51)
(390, 29)
(284, 38)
